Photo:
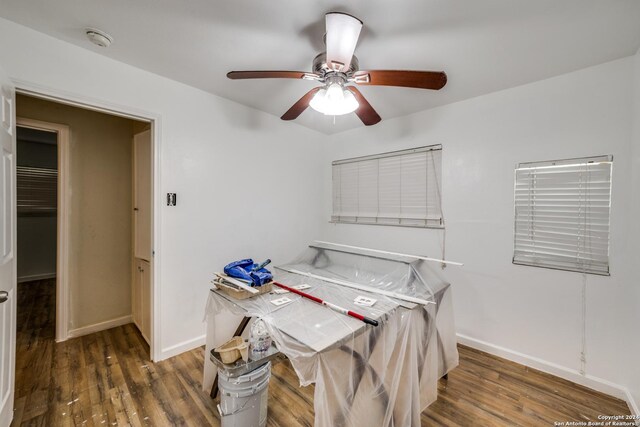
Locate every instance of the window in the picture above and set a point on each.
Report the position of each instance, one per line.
(562, 214)
(397, 188)
(36, 190)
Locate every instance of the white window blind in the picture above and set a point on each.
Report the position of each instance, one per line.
(37, 190)
(397, 188)
(562, 214)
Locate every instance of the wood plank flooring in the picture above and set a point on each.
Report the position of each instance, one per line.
(106, 379)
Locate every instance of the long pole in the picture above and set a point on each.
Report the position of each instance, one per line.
(333, 307)
(424, 258)
(361, 287)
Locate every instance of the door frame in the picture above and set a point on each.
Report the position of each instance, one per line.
(62, 213)
(154, 119)
(9, 254)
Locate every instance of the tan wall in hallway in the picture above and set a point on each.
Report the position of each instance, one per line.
(100, 211)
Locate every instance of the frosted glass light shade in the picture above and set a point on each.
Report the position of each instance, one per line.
(334, 101)
(334, 93)
(342, 36)
(349, 103)
(319, 101)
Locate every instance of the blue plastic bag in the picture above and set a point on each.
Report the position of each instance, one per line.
(243, 270)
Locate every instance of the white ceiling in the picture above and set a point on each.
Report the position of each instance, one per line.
(483, 46)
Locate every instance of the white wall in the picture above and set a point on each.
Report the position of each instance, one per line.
(36, 247)
(529, 314)
(634, 238)
(247, 183)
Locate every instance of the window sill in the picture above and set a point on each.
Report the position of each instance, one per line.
(435, 227)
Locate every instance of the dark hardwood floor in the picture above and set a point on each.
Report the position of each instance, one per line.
(106, 379)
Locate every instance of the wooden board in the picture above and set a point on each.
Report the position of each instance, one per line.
(240, 293)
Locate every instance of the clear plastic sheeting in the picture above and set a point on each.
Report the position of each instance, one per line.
(363, 375)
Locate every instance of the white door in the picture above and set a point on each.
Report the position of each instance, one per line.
(141, 297)
(136, 295)
(142, 194)
(7, 251)
(142, 190)
(145, 271)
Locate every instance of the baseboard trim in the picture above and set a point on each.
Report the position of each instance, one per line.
(33, 277)
(633, 405)
(589, 381)
(97, 327)
(175, 350)
(140, 330)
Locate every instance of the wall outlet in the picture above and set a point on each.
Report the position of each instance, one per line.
(171, 199)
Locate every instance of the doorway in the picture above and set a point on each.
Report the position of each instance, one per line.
(94, 240)
(42, 224)
(36, 217)
(36, 203)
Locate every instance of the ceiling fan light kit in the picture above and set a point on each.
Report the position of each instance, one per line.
(337, 70)
(335, 100)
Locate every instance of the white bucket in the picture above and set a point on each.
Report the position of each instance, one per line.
(243, 400)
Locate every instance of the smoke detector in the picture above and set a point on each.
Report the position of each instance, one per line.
(98, 37)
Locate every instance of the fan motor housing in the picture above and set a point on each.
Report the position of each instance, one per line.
(320, 65)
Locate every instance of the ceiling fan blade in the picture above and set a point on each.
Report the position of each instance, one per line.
(342, 36)
(416, 79)
(241, 75)
(365, 111)
(299, 107)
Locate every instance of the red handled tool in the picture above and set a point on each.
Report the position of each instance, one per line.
(333, 307)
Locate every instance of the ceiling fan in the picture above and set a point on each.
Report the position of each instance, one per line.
(337, 69)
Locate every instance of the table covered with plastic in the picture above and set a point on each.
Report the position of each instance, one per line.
(383, 375)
